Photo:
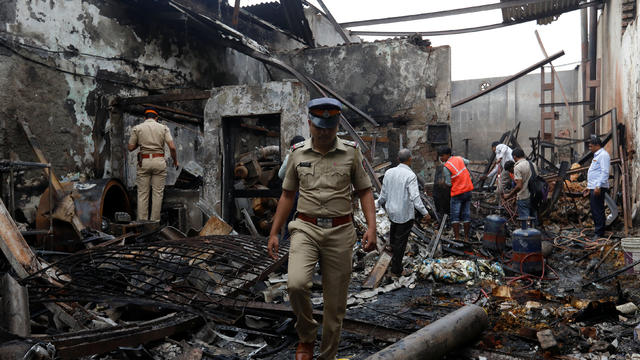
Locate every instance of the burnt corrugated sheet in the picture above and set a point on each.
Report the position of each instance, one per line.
(544, 12)
(287, 15)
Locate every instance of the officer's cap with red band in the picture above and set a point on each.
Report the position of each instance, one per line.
(150, 110)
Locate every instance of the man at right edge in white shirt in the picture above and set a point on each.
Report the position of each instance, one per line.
(598, 184)
(399, 196)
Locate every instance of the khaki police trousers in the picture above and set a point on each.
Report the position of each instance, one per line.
(332, 248)
(151, 176)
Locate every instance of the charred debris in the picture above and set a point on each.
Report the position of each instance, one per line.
(81, 278)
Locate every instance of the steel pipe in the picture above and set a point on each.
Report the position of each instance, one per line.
(438, 338)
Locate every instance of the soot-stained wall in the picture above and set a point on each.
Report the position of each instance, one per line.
(399, 83)
(62, 62)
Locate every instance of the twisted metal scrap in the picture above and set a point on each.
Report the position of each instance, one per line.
(197, 275)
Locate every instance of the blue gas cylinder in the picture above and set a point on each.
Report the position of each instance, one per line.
(527, 250)
(494, 232)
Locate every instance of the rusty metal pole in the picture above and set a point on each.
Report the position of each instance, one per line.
(14, 307)
(438, 338)
(236, 14)
(584, 32)
(593, 54)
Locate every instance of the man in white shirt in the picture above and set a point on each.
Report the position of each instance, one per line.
(503, 154)
(598, 183)
(399, 196)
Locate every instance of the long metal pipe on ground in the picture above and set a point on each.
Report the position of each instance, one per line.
(438, 338)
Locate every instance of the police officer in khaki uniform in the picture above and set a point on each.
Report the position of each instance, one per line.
(323, 169)
(151, 136)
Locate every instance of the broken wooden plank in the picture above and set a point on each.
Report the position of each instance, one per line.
(249, 223)
(377, 273)
(57, 186)
(215, 226)
(16, 250)
(436, 241)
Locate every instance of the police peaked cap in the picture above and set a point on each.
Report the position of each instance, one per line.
(325, 120)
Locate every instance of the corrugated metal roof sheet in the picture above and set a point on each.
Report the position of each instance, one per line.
(285, 14)
(544, 12)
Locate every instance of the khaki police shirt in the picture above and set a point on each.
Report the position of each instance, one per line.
(151, 136)
(324, 181)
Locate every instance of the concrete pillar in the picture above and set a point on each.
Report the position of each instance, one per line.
(14, 308)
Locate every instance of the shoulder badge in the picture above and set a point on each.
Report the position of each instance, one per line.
(297, 146)
(350, 143)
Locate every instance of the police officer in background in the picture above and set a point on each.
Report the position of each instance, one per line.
(323, 169)
(151, 137)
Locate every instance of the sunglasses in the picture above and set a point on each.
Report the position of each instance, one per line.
(324, 113)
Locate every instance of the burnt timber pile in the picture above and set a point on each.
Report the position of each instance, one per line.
(80, 277)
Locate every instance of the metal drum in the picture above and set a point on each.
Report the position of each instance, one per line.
(93, 200)
(527, 250)
(494, 232)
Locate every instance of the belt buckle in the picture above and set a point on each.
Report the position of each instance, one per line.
(324, 222)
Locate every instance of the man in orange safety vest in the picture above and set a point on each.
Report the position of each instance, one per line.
(458, 177)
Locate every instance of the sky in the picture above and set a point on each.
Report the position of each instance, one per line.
(492, 53)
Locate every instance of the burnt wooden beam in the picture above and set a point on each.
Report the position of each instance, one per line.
(267, 132)
(176, 111)
(164, 115)
(186, 96)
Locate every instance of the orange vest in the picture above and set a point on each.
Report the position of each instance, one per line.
(460, 177)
